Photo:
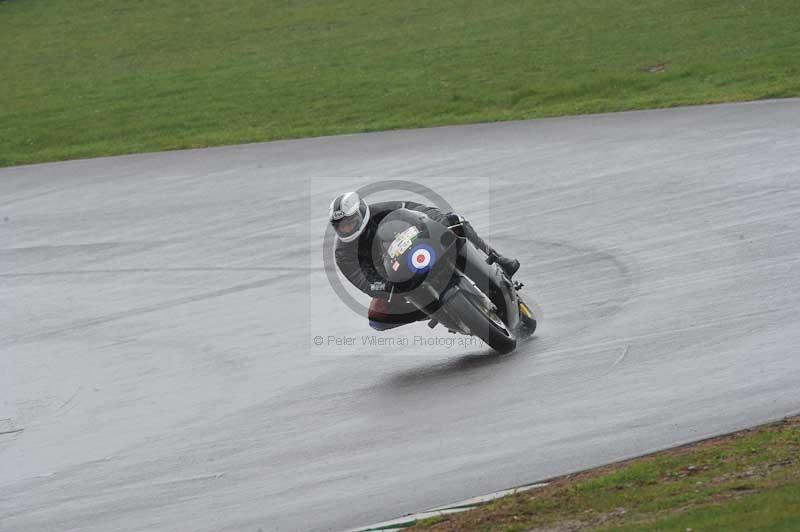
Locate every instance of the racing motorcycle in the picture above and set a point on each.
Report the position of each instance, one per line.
(439, 271)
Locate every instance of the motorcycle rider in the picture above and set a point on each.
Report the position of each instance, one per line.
(356, 223)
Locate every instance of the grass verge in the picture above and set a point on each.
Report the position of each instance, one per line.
(92, 78)
(742, 482)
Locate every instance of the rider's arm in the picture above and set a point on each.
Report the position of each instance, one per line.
(447, 219)
(455, 221)
(433, 213)
(365, 279)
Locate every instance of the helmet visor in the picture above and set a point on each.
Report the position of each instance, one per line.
(348, 225)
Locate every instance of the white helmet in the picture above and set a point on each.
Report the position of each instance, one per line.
(349, 216)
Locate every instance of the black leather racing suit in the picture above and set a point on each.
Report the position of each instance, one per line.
(355, 261)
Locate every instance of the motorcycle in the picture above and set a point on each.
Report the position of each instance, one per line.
(439, 271)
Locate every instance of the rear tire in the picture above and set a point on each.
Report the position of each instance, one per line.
(483, 323)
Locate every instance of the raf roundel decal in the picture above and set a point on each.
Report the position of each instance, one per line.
(421, 258)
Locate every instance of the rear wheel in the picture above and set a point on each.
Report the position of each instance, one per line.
(483, 322)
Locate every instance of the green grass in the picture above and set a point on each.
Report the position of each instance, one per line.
(90, 78)
(775, 510)
(748, 481)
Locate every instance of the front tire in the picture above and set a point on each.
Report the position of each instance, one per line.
(483, 323)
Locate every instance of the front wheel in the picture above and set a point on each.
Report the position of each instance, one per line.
(482, 322)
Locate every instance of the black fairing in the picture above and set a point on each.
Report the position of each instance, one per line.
(455, 259)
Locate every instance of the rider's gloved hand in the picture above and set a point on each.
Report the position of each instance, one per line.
(378, 287)
(456, 223)
(380, 290)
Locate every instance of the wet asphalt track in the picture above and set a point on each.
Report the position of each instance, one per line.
(159, 313)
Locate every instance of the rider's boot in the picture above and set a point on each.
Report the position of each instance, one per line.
(463, 228)
(510, 266)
